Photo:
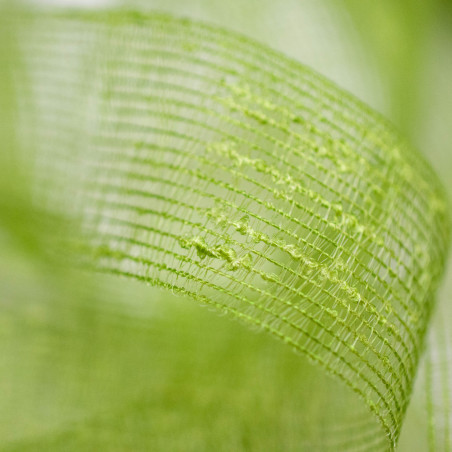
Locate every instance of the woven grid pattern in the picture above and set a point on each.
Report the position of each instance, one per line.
(205, 163)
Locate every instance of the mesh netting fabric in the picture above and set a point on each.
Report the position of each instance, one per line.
(200, 161)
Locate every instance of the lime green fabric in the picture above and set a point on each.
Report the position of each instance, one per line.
(181, 155)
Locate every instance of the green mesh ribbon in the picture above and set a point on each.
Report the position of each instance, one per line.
(195, 159)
